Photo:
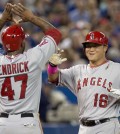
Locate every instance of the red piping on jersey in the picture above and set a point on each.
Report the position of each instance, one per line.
(55, 34)
(9, 57)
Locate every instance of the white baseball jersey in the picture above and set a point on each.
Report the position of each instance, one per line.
(92, 86)
(20, 78)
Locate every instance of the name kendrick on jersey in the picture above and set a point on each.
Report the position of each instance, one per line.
(8, 69)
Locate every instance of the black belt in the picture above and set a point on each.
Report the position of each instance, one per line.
(5, 115)
(91, 123)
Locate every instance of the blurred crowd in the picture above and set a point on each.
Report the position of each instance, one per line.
(74, 18)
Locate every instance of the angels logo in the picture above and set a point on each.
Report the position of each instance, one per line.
(43, 42)
(101, 39)
(91, 36)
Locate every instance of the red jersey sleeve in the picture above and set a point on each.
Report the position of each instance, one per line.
(55, 34)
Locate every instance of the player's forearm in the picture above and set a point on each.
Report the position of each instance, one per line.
(53, 78)
(27, 15)
(43, 24)
(46, 27)
(53, 73)
(2, 22)
(52, 69)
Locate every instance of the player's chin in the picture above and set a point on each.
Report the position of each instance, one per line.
(91, 58)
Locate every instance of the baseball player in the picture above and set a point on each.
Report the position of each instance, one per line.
(98, 108)
(20, 72)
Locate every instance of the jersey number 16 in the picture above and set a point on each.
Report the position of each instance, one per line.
(100, 100)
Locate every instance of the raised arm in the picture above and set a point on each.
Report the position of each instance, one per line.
(45, 26)
(53, 71)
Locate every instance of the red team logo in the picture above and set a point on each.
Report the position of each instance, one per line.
(43, 42)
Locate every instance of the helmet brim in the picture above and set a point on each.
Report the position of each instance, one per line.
(95, 42)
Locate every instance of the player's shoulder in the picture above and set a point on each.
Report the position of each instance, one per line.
(75, 67)
(115, 64)
(79, 67)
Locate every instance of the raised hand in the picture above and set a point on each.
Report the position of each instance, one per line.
(7, 13)
(56, 58)
(22, 12)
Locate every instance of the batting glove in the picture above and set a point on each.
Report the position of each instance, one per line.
(56, 58)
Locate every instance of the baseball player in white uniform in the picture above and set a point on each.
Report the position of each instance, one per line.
(20, 72)
(98, 102)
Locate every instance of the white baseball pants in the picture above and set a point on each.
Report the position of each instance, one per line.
(14, 124)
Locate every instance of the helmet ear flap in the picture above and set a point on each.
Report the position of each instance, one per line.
(84, 46)
(12, 37)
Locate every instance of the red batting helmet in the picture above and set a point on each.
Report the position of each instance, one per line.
(96, 37)
(12, 37)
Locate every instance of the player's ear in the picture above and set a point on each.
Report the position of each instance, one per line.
(22, 47)
(105, 48)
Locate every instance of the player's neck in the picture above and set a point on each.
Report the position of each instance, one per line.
(97, 63)
(20, 51)
(13, 53)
